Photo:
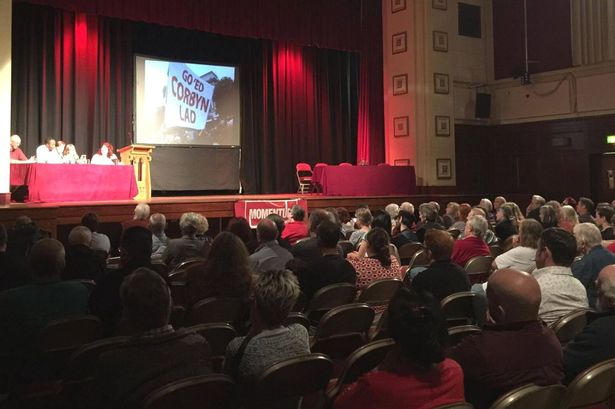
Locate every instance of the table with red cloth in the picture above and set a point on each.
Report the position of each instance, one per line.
(68, 183)
(365, 180)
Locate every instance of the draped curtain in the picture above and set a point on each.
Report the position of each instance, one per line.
(73, 79)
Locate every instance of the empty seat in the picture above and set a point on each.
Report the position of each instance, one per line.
(571, 324)
(67, 334)
(83, 361)
(350, 318)
(218, 336)
(458, 333)
(179, 272)
(214, 391)
(379, 292)
(297, 318)
(592, 386)
(532, 396)
(458, 308)
(407, 251)
(478, 269)
(330, 297)
(304, 175)
(210, 310)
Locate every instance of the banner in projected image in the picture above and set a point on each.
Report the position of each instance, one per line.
(188, 102)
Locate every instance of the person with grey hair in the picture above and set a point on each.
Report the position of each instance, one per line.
(561, 292)
(428, 215)
(160, 241)
(487, 206)
(155, 352)
(407, 206)
(140, 217)
(100, 241)
(533, 209)
(269, 341)
(497, 202)
(81, 261)
(595, 258)
(452, 214)
(364, 221)
(269, 255)
(26, 310)
(189, 245)
(17, 154)
(473, 243)
(568, 218)
(596, 343)
(296, 228)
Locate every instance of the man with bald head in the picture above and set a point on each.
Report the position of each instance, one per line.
(596, 342)
(26, 310)
(81, 261)
(269, 255)
(515, 348)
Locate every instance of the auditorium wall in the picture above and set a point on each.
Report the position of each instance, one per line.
(5, 95)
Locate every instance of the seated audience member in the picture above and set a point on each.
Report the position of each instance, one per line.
(21, 238)
(189, 245)
(522, 257)
(452, 214)
(381, 220)
(490, 237)
(100, 242)
(17, 154)
(436, 206)
(568, 218)
(328, 269)
(596, 343)
(443, 277)
(364, 221)
(533, 209)
(415, 372)
(487, 206)
(26, 310)
(392, 210)
(516, 349)
(135, 252)
(464, 211)
(506, 222)
(240, 227)
(585, 209)
(296, 228)
(279, 223)
(269, 255)
(473, 243)
(379, 262)
(497, 202)
(226, 273)
(269, 341)
(548, 217)
(404, 222)
(561, 293)
(570, 201)
(407, 206)
(160, 241)
(308, 250)
(105, 155)
(140, 217)
(604, 214)
(155, 355)
(595, 258)
(346, 221)
(428, 215)
(81, 261)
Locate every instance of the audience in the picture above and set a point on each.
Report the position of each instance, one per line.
(506, 222)
(443, 277)
(473, 243)
(464, 211)
(308, 250)
(269, 255)
(548, 217)
(21, 238)
(585, 209)
(81, 261)
(190, 245)
(533, 209)
(428, 215)
(135, 252)
(281, 226)
(346, 221)
(328, 269)
(497, 202)
(604, 214)
(404, 221)
(561, 293)
(392, 210)
(296, 228)
(513, 351)
(522, 257)
(595, 258)
(140, 217)
(26, 310)
(364, 222)
(379, 262)
(452, 214)
(160, 241)
(269, 341)
(487, 206)
(568, 218)
(100, 242)
(226, 272)
(415, 372)
(155, 355)
(240, 227)
(596, 342)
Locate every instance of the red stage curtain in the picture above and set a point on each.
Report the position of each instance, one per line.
(323, 23)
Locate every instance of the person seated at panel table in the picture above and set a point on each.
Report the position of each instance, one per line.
(46, 153)
(17, 154)
(105, 155)
(70, 154)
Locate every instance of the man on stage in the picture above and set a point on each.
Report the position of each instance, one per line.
(47, 153)
(17, 154)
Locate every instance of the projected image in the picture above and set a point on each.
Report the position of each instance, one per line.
(181, 103)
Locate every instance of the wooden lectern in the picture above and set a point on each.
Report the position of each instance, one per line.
(139, 156)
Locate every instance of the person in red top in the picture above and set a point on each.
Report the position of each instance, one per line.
(295, 229)
(473, 244)
(415, 373)
(17, 154)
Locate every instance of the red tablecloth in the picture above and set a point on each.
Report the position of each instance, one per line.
(365, 180)
(69, 183)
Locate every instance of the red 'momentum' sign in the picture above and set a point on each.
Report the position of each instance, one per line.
(256, 210)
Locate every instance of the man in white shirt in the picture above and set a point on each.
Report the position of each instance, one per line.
(561, 291)
(47, 153)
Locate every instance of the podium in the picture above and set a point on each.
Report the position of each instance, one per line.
(140, 157)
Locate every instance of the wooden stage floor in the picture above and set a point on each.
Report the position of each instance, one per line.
(217, 208)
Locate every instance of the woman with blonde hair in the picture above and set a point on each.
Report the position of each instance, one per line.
(568, 218)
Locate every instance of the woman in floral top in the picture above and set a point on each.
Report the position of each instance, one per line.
(378, 264)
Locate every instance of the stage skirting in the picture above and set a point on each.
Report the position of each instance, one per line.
(70, 183)
(365, 180)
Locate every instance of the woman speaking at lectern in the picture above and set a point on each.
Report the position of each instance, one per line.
(105, 155)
